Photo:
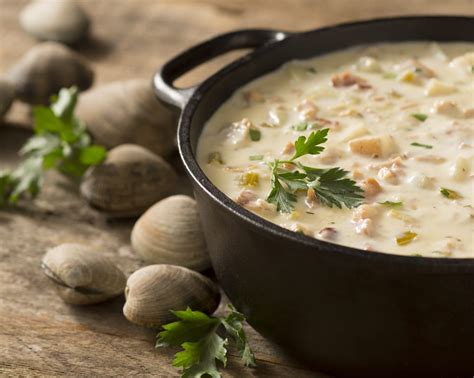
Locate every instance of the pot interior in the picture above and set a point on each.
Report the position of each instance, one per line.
(219, 87)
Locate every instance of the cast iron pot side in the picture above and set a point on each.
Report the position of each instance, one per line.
(342, 310)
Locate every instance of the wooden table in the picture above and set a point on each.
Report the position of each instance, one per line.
(39, 334)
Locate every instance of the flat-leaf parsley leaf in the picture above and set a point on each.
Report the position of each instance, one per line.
(197, 334)
(331, 186)
(60, 141)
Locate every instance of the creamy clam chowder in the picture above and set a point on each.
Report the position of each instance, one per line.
(400, 120)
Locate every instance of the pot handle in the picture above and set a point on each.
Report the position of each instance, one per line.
(205, 51)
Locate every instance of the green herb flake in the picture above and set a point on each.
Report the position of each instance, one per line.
(391, 204)
(331, 186)
(449, 193)
(255, 134)
(472, 68)
(416, 144)
(406, 238)
(202, 342)
(255, 157)
(300, 126)
(420, 116)
(311, 70)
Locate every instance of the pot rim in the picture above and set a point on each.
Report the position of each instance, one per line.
(197, 175)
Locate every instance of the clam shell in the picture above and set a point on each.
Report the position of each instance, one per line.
(45, 69)
(154, 290)
(55, 20)
(7, 95)
(81, 275)
(170, 232)
(128, 112)
(129, 181)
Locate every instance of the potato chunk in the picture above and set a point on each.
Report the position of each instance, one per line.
(438, 88)
(460, 169)
(375, 146)
(463, 62)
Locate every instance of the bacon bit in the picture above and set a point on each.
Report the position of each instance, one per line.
(311, 198)
(431, 159)
(371, 187)
(307, 109)
(392, 163)
(448, 108)
(245, 196)
(346, 79)
(378, 98)
(252, 96)
(323, 121)
(289, 149)
(409, 106)
(288, 166)
(329, 233)
(469, 113)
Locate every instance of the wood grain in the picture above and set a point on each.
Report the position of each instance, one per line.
(39, 334)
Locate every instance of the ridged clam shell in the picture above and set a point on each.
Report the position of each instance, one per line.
(129, 181)
(154, 290)
(45, 69)
(170, 232)
(7, 95)
(82, 275)
(55, 20)
(128, 112)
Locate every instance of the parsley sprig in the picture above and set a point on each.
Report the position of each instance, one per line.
(197, 334)
(60, 141)
(330, 185)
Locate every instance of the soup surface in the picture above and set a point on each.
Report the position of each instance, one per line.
(400, 120)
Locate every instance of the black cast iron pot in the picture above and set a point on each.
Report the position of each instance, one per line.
(342, 310)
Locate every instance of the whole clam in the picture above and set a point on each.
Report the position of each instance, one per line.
(128, 112)
(170, 232)
(82, 275)
(7, 95)
(129, 181)
(154, 290)
(61, 21)
(45, 69)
